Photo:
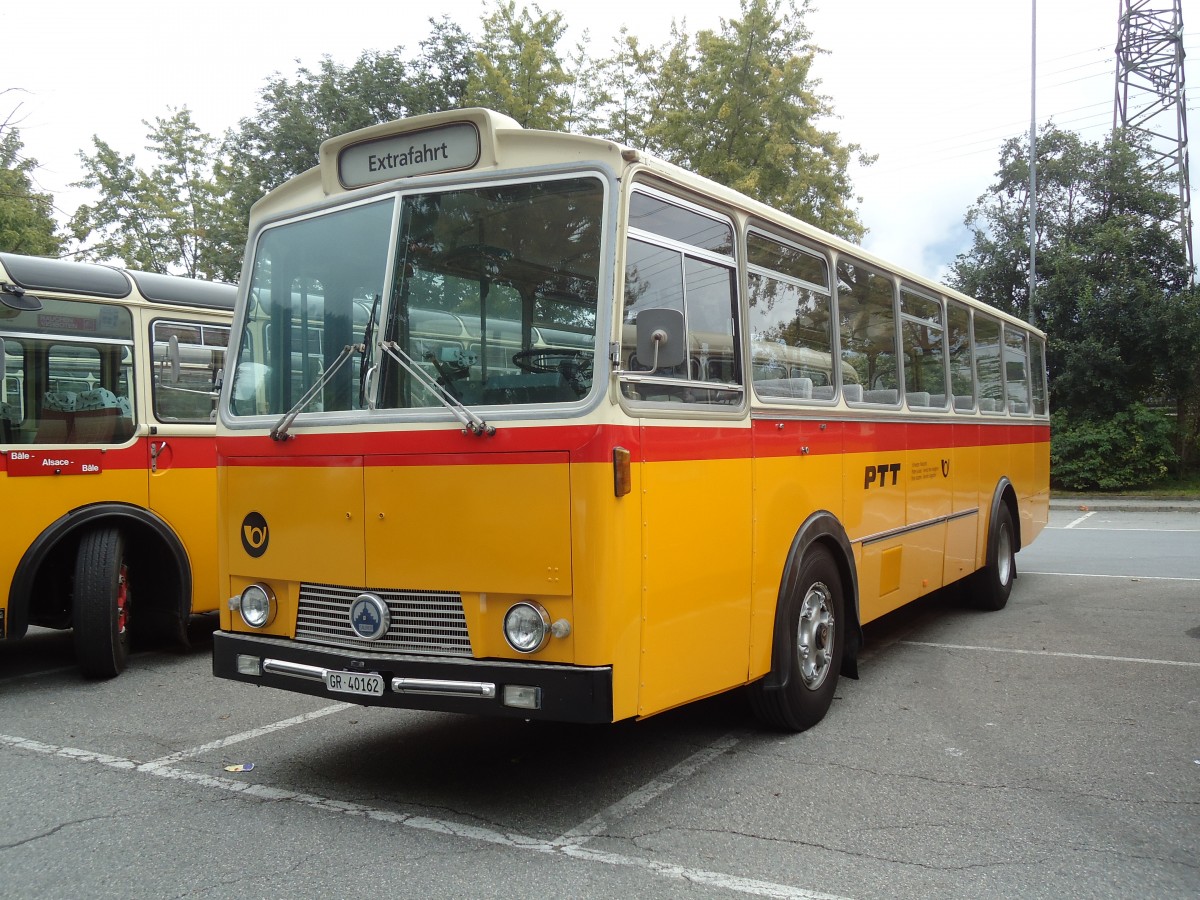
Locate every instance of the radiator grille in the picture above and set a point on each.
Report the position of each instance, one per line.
(421, 621)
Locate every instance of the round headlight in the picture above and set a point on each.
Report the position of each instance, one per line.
(257, 605)
(526, 627)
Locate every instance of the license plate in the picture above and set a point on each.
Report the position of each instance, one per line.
(364, 684)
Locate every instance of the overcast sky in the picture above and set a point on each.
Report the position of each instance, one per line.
(931, 86)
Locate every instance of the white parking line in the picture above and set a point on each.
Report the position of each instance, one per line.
(1122, 577)
(1082, 518)
(631, 803)
(569, 845)
(1125, 659)
(244, 736)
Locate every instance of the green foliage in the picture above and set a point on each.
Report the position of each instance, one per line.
(27, 222)
(1131, 449)
(156, 218)
(519, 70)
(1122, 325)
(739, 106)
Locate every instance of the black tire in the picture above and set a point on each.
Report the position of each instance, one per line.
(993, 583)
(102, 603)
(810, 643)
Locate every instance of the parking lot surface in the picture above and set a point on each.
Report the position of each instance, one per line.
(1048, 750)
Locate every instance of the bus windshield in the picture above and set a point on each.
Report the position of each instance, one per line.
(492, 296)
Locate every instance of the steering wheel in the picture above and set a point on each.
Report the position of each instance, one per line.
(575, 366)
(552, 359)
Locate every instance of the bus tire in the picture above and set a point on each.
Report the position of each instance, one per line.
(812, 642)
(993, 583)
(102, 603)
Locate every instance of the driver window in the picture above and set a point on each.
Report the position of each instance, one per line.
(682, 259)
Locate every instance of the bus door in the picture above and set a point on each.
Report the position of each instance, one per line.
(696, 518)
(187, 359)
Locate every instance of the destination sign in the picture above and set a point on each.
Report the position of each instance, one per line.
(54, 462)
(446, 148)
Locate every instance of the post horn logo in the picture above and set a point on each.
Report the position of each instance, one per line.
(254, 534)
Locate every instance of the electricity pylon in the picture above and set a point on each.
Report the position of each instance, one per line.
(1150, 94)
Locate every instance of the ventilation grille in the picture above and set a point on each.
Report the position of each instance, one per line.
(421, 621)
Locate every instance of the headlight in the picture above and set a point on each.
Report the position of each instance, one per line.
(257, 605)
(526, 627)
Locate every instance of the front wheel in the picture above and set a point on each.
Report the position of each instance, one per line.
(993, 583)
(809, 646)
(102, 603)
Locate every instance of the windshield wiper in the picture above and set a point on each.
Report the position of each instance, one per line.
(470, 421)
(280, 431)
(368, 334)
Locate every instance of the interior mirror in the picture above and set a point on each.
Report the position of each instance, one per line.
(661, 340)
(173, 355)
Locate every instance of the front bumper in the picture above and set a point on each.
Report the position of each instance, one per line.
(567, 693)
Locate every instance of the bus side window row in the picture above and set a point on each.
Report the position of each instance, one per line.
(97, 416)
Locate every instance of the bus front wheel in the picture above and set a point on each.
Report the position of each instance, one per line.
(102, 603)
(993, 583)
(809, 644)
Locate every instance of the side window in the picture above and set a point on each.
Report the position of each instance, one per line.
(681, 259)
(189, 358)
(987, 364)
(924, 350)
(1016, 371)
(12, 397)
(1037, 369)
(88, 397)
(790, 341)
(867, 334)
(958, 342)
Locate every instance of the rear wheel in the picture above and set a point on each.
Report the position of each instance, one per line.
(993, 583)
(809, 645)
(102, 603)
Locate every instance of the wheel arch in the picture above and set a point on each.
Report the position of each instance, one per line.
(1005, 493)
(822, 527)
(40, 590)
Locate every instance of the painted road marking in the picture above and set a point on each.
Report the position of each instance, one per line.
(1124, 659)
(569, 845)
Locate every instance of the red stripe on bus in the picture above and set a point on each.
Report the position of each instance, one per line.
(595, 443)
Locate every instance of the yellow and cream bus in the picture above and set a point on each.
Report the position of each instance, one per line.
(107, 453)
(534, 424)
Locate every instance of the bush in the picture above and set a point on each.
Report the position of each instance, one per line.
(1132, 449)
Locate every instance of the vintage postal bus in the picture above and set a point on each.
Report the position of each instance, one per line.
(107, 456)
(534, 424)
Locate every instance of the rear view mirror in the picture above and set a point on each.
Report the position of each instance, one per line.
(661, 340)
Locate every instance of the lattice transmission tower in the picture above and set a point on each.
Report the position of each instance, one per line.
(1150, 94)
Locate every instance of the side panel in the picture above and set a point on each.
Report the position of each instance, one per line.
(797, 469)
(43, 497)
(962, 531)
(183, 491)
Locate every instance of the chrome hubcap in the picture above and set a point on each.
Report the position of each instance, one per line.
(1004, 556)
(815, 634)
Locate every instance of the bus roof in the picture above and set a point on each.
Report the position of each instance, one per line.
(36, 273)
(502, 143)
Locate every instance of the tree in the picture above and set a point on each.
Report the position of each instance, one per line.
(1111, 290)
(155, 219)
(296, 114)
(740, 106)
(519, 70)
(27, 223)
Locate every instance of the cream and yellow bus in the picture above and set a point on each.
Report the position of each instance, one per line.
(107, 453)
(532, 424)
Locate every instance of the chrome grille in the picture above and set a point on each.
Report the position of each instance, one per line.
(422, 621)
